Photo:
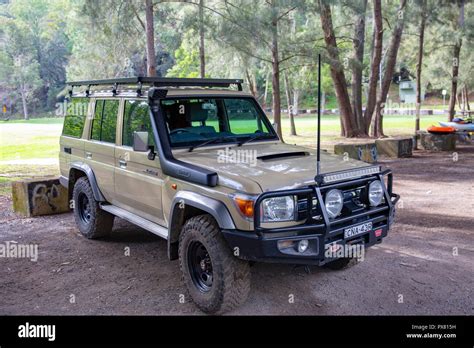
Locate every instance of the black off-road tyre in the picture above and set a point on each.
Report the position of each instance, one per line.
(92, 221)
(230, 275)
(340, 264)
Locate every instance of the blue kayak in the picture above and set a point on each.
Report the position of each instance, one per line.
(467, 127)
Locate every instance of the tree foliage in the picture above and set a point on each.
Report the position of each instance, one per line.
(272, 45)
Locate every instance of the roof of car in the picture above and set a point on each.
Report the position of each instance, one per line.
(139, 85)
(172, 92)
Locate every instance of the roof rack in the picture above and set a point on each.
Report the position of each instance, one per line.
(157, 82)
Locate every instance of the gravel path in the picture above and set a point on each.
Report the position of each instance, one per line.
(425, 266)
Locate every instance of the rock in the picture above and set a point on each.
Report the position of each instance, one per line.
(39, 197)
(366, 152)
(395, 147)
(438, 142)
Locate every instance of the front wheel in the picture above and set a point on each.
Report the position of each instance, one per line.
(216, 280)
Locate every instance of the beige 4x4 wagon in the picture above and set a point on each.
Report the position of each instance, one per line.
(199, 164)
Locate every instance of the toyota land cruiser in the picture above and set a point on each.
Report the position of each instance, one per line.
(197, 162)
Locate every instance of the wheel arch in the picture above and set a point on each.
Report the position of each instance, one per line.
(79, 169)
(187, 204)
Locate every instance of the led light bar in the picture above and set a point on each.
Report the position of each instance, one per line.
(348, 175)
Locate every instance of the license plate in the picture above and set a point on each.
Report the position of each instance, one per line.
(356, 230)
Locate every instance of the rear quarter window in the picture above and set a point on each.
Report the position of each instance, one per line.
(105, 120)
(76, 113)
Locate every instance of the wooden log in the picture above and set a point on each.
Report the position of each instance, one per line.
(39, 197)
(395, 147)
(366, 152)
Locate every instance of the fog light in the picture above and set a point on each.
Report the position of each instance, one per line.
(285, 244)
(303, 245)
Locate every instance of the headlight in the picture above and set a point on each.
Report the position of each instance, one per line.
(278, 209)
(375, 193)
(334, 203)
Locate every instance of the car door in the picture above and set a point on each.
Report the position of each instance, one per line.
(100, 149)
(138, 180)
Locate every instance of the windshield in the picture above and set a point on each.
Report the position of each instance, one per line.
(192, 122)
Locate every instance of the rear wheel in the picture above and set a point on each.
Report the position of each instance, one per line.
(216, 280)
(92, 221)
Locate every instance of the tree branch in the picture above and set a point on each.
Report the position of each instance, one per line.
(138, 17)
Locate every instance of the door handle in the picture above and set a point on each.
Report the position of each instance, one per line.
(67, 150)
(89, 155)
(123, 164)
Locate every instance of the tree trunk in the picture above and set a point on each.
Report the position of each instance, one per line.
(276, 103)
(25, 105)
(463, 99)
(454, 80)
(265, 94)
(455, 73)
(377, 129)
(374, 66)
(323, 101)
(202, 58)
(296, 98)
(419, 64)
(252, 83)
(467, 98)
(348, 128)
(290, 108)
(357, 67)
(150, 39)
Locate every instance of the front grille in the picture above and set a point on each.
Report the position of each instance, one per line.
(312, 215)
(355, 201)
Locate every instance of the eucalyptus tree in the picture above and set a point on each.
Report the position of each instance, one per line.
(376, 57)
(394, 45)
(448, 59)
(458, 26)
(360, 9)
(35, 51)
(126, 32)
(255, 29)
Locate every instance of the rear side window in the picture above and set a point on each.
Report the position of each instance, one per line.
(104, 123)
(136, 118)
(76, 113)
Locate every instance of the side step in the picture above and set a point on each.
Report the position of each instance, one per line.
(137, 220)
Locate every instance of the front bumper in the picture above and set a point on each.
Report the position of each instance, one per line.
(264, 244)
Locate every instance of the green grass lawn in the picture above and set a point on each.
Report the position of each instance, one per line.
(306, 127)
(36, 138)
(28, 147)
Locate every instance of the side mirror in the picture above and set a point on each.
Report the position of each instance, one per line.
(140, 141)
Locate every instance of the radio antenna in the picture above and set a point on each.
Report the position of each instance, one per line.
(318, 163)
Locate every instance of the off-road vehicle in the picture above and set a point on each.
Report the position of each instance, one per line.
(197, 162)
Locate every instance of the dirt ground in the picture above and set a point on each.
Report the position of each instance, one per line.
(424, 266)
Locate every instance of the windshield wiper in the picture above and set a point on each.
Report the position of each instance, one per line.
(210, 141)
(256, 137)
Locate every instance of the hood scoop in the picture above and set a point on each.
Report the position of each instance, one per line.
(283, 155)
